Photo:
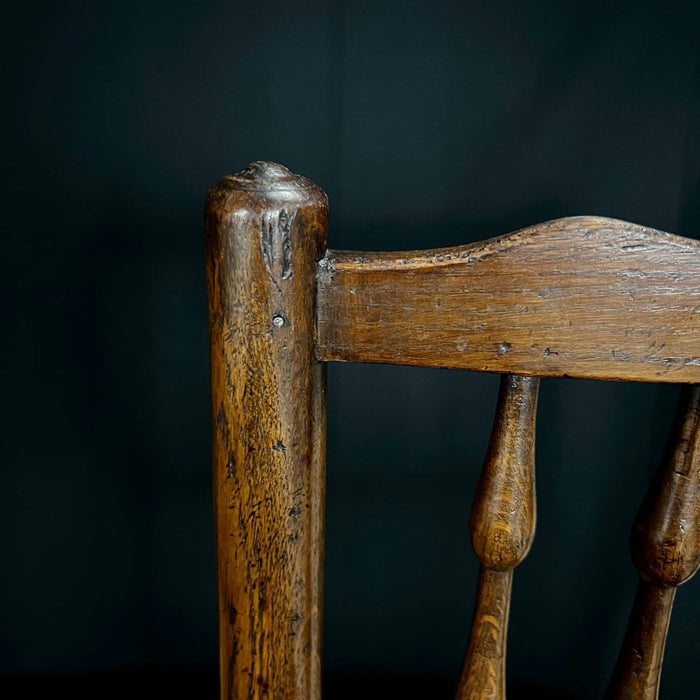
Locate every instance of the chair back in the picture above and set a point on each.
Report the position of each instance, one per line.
(584, 297)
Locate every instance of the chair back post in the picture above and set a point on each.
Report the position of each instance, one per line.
(266, 230)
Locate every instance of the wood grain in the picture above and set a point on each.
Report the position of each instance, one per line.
(666, 552)
(581, 297)
(637, 672)
(266, 230)
(484, 670)
(502, 528)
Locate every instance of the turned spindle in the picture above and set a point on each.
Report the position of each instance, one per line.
(266, 230)
(502, 528)
(666, 553)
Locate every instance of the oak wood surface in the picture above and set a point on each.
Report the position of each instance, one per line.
(584, 297)
(637, 673)
(502, 528)
(483, 675)
(581, 297)
(666, 552)
(266, 230)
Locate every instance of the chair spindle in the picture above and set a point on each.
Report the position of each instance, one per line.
(502, 528)
(666, 553)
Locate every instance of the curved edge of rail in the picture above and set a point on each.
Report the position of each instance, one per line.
(585, 296)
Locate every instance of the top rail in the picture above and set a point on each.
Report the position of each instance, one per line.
(582, 297)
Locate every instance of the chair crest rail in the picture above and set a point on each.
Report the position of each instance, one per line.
(583, 297)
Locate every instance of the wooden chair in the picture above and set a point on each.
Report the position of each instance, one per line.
(577, 297)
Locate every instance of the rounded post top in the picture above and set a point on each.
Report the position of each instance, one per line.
(262, 175)
(268, 206)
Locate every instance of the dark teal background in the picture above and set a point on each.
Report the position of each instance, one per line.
(428, 124)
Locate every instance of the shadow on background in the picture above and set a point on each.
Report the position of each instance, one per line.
(204, 686)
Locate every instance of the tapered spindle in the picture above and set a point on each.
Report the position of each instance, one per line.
(266, 230)
(666, 552)
(502, 527)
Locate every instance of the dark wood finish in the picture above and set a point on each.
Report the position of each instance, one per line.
(638, 669)
(666, 552)
(583, 297)
(266, 230)
(580, 297)
(502, 527)
(484, 669)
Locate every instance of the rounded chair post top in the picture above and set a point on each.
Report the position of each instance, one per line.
(265, 176)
